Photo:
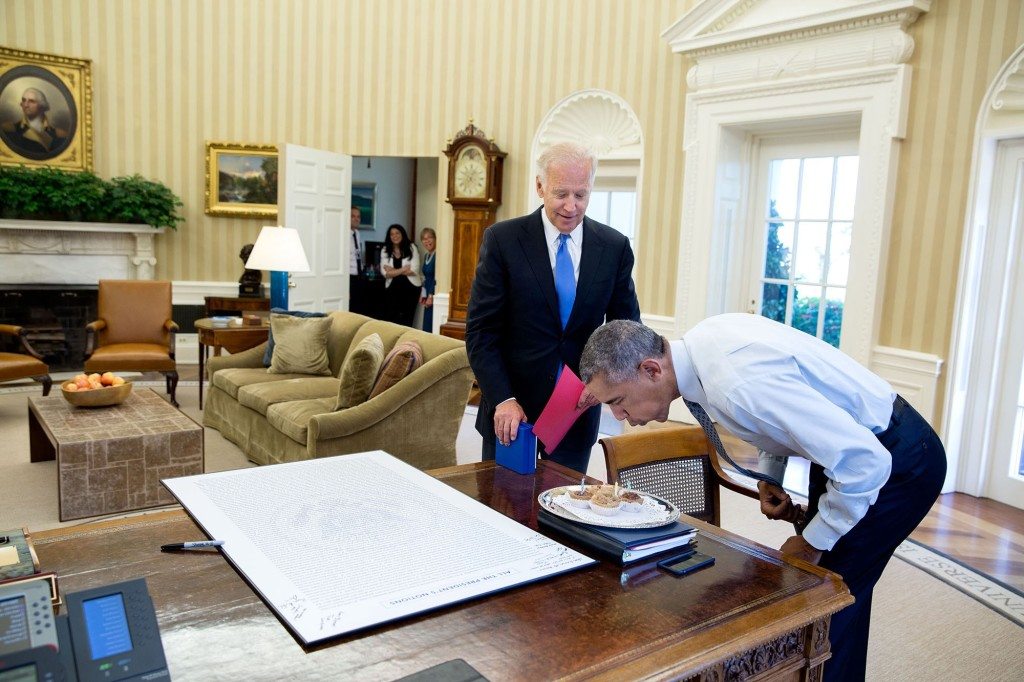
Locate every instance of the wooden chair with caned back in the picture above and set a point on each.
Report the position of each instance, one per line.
(673, 463)
(134, 332)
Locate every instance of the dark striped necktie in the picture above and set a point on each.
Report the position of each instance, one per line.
(704, 419)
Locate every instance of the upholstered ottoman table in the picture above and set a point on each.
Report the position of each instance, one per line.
(111, 459)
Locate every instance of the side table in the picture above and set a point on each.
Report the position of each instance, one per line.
(235, 337)
(226, 305)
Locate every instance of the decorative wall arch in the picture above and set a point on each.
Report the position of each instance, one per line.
(597, 119)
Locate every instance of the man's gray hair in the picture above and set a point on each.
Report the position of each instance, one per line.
(615, 351)
(565, 153)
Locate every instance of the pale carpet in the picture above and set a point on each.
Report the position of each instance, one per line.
(922, 628)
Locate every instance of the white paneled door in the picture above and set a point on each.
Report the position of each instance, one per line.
(314, 195)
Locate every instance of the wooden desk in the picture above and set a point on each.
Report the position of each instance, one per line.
(752, 613)
(234, 337)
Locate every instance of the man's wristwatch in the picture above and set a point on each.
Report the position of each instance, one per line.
(801, 519)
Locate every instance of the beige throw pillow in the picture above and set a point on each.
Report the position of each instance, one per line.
(400, 362)
(359, 371)
(300, 345)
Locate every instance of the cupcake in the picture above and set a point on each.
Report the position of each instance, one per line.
(580, 498)
(604, 504)
(631, 501)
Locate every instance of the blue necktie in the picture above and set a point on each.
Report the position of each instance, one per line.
(565, 281)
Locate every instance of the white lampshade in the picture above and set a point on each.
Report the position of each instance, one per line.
(278, 249)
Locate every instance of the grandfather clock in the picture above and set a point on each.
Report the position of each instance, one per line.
(474, 191)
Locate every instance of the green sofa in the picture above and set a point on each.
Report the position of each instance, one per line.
(290, 417)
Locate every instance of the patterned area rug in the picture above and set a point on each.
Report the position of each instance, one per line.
(994, 594)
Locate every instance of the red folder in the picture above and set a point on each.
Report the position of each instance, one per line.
(560, 413)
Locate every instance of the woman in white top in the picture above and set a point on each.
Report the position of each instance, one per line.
(400, 265)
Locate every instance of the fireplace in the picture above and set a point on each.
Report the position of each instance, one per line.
(49, 273)
(54, 318)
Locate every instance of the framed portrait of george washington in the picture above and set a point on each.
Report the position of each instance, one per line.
(241, 180)
(45, 110)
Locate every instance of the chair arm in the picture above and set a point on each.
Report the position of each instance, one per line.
(726, 480)
(171, 327)
(250, 358)
(22, 334)
(354, 419)
(91, 330)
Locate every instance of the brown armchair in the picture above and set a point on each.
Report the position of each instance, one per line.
(673, 463)
(27, 365)
(134, 332)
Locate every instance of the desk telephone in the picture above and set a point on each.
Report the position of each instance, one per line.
(109, 634)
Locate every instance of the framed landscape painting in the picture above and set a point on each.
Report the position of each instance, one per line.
(45, 110)
(364, 197)
(241, 180)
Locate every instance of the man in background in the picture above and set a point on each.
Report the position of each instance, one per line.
(355, 264)
(876, 464)
(543, 283)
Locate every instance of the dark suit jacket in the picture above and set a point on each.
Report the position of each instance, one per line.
(513, 333)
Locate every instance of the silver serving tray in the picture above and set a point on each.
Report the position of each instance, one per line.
(545, 499)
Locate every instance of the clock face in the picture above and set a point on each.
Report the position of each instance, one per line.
(470, 174)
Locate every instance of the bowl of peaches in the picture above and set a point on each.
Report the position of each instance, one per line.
(96, 390)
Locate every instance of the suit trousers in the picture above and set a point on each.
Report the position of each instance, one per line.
(860, 556)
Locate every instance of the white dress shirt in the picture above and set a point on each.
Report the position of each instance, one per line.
(789, 393)
(574, 244)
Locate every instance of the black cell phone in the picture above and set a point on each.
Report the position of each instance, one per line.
(686, 563)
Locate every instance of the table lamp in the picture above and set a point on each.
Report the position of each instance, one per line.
(279, 250)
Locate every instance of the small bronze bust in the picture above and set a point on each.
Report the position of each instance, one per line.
(250, 284)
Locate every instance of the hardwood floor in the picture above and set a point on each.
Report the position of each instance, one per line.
(984, 534)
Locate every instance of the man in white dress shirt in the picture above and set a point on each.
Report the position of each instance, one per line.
(876, 464)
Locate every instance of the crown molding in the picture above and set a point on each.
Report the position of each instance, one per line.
(721, 26)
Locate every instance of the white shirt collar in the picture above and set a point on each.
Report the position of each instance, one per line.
(551, 232)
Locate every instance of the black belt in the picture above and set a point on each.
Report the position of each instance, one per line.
(899, 406)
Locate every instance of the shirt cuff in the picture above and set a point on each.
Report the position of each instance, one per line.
(819, 535)
(773, 465)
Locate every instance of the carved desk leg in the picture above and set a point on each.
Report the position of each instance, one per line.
(817, 649)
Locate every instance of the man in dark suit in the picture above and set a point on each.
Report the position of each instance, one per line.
(544, 282)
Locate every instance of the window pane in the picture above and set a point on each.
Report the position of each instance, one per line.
(810, 252)
(773, 301)
(778, 253)
(622, 212)
(805, 309)
(597, 209)
(784, 176)
(816, 189)
(834, 299)
(839, 253)
(846, 187)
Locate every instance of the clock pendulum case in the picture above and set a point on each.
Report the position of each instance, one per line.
(474, 191)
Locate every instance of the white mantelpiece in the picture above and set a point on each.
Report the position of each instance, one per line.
(55, 252)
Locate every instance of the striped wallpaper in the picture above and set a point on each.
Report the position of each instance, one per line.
(399, 77)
